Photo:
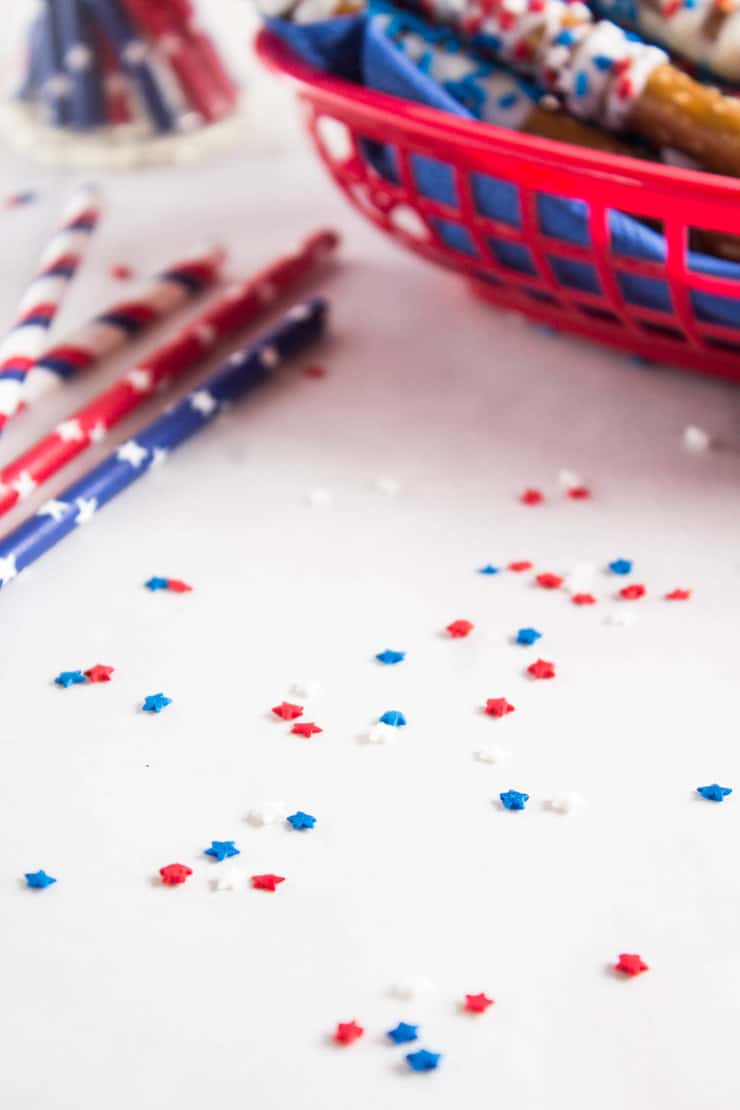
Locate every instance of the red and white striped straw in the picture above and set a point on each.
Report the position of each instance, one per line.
(238, 307)
(38, 308)
(122, 323)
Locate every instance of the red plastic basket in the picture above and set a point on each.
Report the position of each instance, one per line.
(679, 199)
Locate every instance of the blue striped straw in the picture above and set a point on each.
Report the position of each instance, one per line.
(76, 505)
(54, 84)
(133, 52)
(80, 65)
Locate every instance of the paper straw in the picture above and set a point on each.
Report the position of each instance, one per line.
(122, 323)
(168, 29)
(80, 65)
(59, 263)
(133, 53)
(54, 85)
(78, 503)
(232, 312)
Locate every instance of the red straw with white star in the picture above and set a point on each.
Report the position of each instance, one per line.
(237, 307)
(39, 306)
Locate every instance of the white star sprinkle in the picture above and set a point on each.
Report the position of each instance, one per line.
(24, 485)
(85, 509)
(579, 579)
(8, 570)
(98, 432)
(159, 456)
(227, 880)
(133, 453)
(267, 813)
(388, 486)
(565, 803)
(57, 510)
(140, 379)
(696, 440)
(493, 755)
(620, 618)
(311, 688)
(412, 987)
(568, 479)
(381, 734)
(69, 431)
(319, 498)
(203, 402)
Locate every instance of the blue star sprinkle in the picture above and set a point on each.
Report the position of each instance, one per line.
(528, 636)
(403, 1033)
(621, 566)
(714, 793)
(423, 1060)
(221, 850)
(393, 717)
(38, 880)
(389, 657)
(513, 799)
(69, 678)
(155, 703)
(301, 820)
(156, 584)
(489, 568)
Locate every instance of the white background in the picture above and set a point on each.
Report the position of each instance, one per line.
(118, 992)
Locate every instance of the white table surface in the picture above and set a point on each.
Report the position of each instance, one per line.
(118, 992)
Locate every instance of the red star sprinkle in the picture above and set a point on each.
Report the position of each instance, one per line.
(541, 669)
(579, 493)
(99, 673)
(678, 595)
(174, 874)
(477, 1003)
(121, 272)
(532, 497)
(630, 964)
(306, 728)
(178, 586)
(347, 1032)
(315, 371)
(266, 882)
(498, 707)
(583, 599)
(520, 565)
(631, 593)
(286, 711)
(549, 581)
(459, 629)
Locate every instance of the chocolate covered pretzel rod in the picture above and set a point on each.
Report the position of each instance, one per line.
(488, 91)
(600, 73)
(704, 31)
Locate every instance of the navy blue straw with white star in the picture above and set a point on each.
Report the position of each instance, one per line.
(247, 368)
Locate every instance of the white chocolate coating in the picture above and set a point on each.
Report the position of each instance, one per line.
(705, 31)
(594, 67)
